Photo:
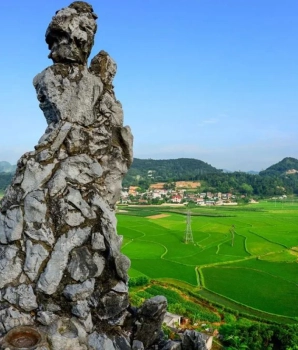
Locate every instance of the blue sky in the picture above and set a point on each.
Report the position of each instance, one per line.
(214, 80)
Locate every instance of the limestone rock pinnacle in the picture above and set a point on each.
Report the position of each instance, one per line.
(61, 268)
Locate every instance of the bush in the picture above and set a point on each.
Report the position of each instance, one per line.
(138, 281)
(229, 318)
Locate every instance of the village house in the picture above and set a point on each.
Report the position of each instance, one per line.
(172, 320)
(124, 194)
(123, 197)
(159, 193)
(133, 190)
(226, 195)
(192, 197)
(176, 199)
(155, 194)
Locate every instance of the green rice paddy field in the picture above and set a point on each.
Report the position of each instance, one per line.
(258, 268)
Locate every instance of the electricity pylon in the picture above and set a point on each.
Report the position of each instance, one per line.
(232, 230)
(188, 232)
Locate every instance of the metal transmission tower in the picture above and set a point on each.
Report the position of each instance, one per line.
(232, 230)
(188, 232)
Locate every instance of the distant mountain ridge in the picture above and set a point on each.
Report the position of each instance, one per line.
(6, 167)
(286, 166)
(6, 174)
(275, 180)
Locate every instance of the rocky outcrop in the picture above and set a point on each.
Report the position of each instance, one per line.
(149, 320)
(60, 260)
(193, 340)
(61, 269)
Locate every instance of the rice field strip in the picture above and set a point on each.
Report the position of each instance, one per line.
(127, 243)
(187, 256)
(143, 234)
(196, 253)
(213, 244)
(209, 235)
(261, 271)
(229, 262)
(268, 240)
(245, 243)
(157, 243)
(249, 307)
(200, 277)
(180, 263)
(218, 246)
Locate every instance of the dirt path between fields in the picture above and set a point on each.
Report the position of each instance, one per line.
(159, 216)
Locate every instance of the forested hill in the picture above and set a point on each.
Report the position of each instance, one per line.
(5, 180)
(6, 174)
(143, 172)
(6, 167)
(168, 169)
(286, 166)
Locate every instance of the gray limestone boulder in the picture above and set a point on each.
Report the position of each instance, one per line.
(70, 35)
(84, 264)
(10, 264)
(22, 296)
(81, 291)
(192, 340)
(150, 317)
(172, 345)
(36, 254)
(137, 345)
(98, 341)
(53, 273)
(11, 225)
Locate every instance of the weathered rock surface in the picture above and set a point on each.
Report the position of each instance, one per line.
(10, 264)
(61, 268)
(192, 340)
(22, 296)
(137, 345)
(172, 345)
(149, 320)
(81, 291)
